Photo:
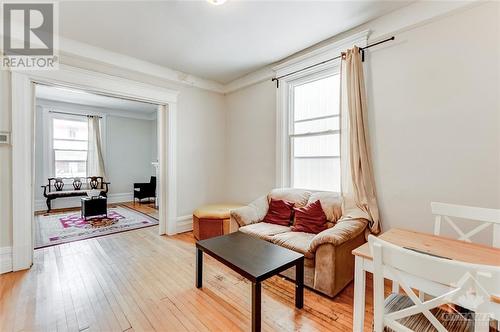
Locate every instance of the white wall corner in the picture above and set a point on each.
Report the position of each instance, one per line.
(5, 259)
(184, 224)
(255, 77)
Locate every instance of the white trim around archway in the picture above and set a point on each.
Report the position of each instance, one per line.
(23, 145)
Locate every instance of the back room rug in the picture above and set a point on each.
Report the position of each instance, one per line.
(57, 228)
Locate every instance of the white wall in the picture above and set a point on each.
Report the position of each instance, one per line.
(128, 152)
(251, 127)
(434, 118)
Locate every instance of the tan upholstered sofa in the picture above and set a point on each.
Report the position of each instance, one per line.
(329, 264)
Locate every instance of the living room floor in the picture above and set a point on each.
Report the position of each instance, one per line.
(139, 281)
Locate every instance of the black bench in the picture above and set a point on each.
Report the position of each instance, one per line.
(77, 187)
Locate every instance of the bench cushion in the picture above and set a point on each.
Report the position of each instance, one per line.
(67, 193)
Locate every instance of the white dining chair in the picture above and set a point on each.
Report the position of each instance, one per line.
(486, 217)
(474, 287)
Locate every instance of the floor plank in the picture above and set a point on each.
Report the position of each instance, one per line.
(139, 281)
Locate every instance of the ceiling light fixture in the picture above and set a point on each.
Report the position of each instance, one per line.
(217, 2)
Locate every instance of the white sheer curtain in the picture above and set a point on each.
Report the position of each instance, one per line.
(95, 161)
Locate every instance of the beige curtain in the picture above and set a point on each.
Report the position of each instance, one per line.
(95, 160)
(358, 185)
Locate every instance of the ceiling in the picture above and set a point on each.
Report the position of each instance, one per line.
(80, 97)
(219, 43)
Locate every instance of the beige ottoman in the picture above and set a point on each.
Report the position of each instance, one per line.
(212, 220)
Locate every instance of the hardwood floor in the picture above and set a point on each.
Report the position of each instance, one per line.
(146, 208)
(138, 281)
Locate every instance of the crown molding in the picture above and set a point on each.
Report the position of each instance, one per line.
(255, 77)
(321, 54)
(78, 49)
(406, 18)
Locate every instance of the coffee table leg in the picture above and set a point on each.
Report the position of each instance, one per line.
(299, 284)
(256, 301)
(199, 268)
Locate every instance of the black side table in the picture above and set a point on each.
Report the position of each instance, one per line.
(95, 206)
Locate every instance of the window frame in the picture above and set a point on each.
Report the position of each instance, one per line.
(302, 67)
(52, 151)
(48, 114)
(304, 79)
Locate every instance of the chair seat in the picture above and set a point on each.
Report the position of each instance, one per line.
(420, 323)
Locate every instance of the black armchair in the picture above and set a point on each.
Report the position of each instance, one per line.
(145, 190)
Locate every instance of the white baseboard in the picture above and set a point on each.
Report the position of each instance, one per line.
(69, 202)
(5, 259)
(184, 223)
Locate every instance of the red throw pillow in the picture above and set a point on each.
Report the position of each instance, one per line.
(310, 219)
(279, 213)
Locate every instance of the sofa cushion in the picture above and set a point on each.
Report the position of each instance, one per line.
(279, 213)
(296, 241)
(309, 219)
(297, 196)
(264, 230)
(330, 202)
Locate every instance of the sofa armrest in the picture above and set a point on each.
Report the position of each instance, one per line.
(252, 213)
(344, 230)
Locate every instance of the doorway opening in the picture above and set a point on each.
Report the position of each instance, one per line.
(96, 165)
(23, 100)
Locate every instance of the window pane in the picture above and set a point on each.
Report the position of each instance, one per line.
(70, 129)
(317, 98)
(69, 145)
(70, 155)
(316, 125)
(317, 174)
(70, 168)
(321, 145)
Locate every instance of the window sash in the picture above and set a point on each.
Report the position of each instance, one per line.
(55, 159)
(318, 118)
(292, 134)
(316, 133)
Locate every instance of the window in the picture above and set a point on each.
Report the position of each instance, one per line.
(314, 134)
(69, 145)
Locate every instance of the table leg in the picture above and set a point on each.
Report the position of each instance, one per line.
(199, 268)
(299, 284)
(256, 306)
(359, 295)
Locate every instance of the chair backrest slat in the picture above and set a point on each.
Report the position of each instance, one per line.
(487, 217)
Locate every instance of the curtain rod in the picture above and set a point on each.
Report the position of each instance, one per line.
(361, 49)
(76, 114)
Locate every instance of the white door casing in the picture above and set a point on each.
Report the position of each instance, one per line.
(23, 144)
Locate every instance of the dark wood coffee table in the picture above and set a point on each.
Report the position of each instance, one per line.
(254, 259)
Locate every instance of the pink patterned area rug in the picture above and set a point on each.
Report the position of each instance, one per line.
(66, 227)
